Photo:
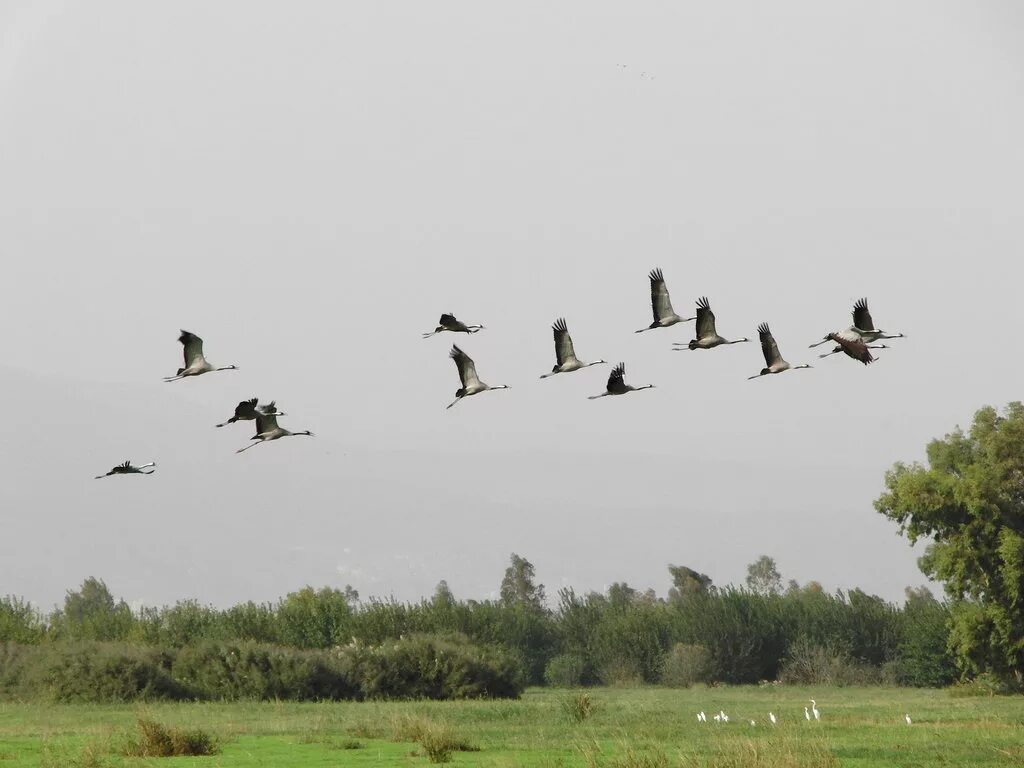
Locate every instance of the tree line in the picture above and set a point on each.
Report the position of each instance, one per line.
(966, 504)
(697, 633)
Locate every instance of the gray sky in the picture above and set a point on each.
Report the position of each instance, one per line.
(307, 186)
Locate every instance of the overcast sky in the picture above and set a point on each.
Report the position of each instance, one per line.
(307, 186)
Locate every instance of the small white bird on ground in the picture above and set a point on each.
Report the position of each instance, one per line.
(718, 718)
(814, 710)
(907, 718)
(771, 716)
(807, 715)
(701, 717)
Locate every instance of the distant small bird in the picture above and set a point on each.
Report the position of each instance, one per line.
(863, 328)
(247, 410)
(771, 716)
(814, 710)
(707, 336)
(701, 717)
(195, 363)
(753, 722)
(449, 323)
(725, 717)
(661, 304)
(471, 384)
(267, 430)
(772, 357)
(807, 714)
(907, 718)
(616, 385)
(565, 356)
(128, 469)
(718, 718)
(854, 348)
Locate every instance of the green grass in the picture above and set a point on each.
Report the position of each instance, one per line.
(628, 728)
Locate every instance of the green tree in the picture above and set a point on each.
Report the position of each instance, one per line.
(621, 595)
(19, 621)
(313, 618)
(687, 582)
(969, 503)
(763, 577)
(518, 587)
(91, 613)
(924, 658)
(443, 597)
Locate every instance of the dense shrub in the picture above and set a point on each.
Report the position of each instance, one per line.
(231, 671)
(685, 665)
(566, 670)
(924, 659)
(19, 621)
(95, 672)
(157, 740)
(809, 664)
(431, 667)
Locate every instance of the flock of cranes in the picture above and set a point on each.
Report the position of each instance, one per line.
(855, 342)
(196, 364)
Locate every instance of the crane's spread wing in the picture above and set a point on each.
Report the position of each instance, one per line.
(447, 320)
(661, 304)
(192, 345)
(858, 350)
(861, 316)
(245, 408)
(563, 342)
(265, 422)
(126, 465)
(269, 408)
(616, 378)
(705, 319)
(467, 369)
(768, 345)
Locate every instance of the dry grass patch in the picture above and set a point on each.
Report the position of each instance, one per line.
(157, 740)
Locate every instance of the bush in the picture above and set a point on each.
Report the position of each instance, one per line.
(19, 621)
(621, 673)
(156, 740)
(578, 707)
(566, 670)
(685, 665)
(809, 664)
(431, 667)
(96, 672)
(231, 671)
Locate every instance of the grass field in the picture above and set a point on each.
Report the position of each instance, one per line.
(628, 728)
